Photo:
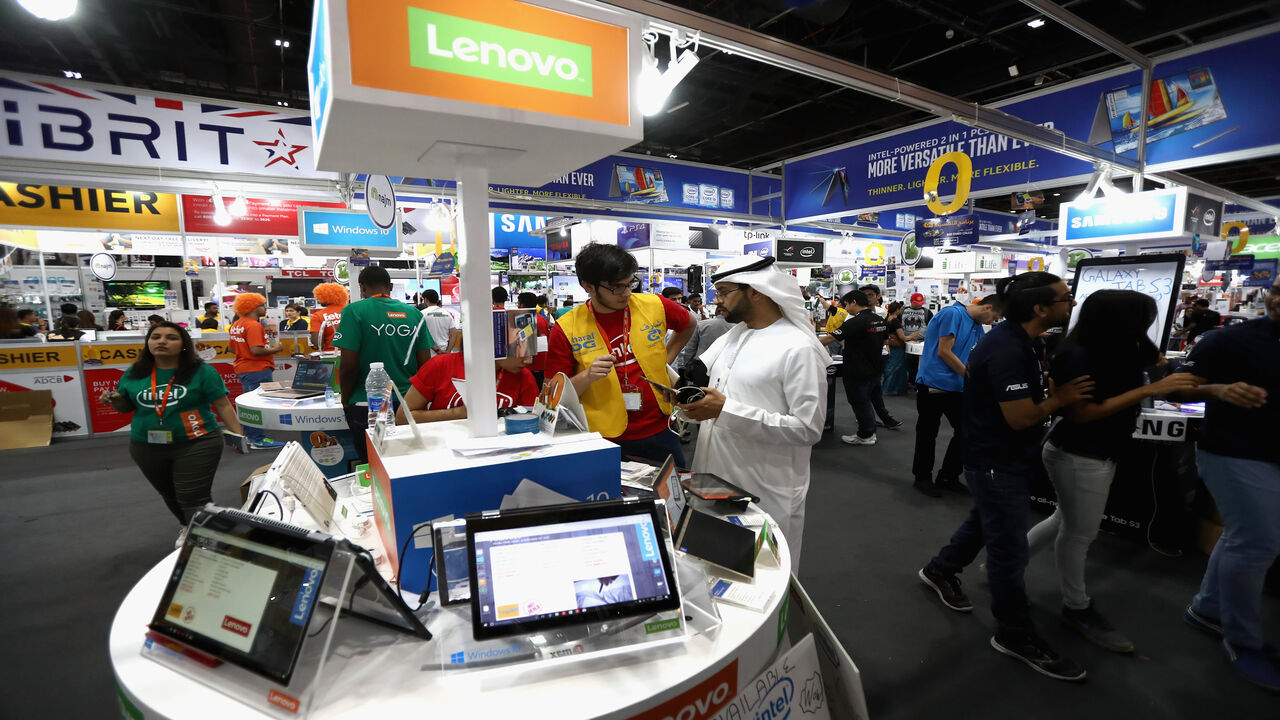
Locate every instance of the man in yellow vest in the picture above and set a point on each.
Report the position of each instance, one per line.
(609, 344)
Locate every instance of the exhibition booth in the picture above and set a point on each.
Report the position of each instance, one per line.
(519, 564)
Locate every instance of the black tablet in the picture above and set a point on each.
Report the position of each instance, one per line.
(243, 590)
(543, 568)
(709, 486)
(725, 545)
(449, 543)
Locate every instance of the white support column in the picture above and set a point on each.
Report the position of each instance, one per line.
(477, 314)
(192, 314)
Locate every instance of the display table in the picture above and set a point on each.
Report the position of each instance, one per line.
(374, 672)
(322, 431)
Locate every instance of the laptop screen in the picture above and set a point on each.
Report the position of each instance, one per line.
(244, 591)
(567, 564)
(312, 375)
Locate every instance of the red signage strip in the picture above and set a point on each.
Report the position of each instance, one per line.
(304, 273)
(276, 218)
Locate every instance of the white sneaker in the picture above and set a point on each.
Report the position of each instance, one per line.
(856, 439)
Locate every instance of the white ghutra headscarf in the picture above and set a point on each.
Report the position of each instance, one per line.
(780, 287)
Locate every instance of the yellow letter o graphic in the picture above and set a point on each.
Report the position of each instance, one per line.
(1241, 241)
(964, 170)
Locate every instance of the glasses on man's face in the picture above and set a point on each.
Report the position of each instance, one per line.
(620, 288)
(726, 293)
(1067, 299)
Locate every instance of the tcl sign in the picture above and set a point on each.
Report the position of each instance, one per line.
(310, 273)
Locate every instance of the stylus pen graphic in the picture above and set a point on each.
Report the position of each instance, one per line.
(1202, 143)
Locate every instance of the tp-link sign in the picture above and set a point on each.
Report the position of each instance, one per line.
(476, 49)
(334, 233)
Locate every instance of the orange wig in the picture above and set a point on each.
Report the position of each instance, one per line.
(330, 294)
(246, 302)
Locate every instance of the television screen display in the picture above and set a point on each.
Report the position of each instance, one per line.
(135, 293)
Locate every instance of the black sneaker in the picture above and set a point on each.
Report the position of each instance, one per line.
(893, 424)
(1095, 628)
(951, 484)
(1038, 656)
(927, 488)
(1202, 622)
(947, 587)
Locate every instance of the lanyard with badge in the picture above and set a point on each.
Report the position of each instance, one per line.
(630, 392)
(160, 437)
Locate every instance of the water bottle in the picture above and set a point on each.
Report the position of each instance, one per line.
(330, 398)
(375, 386)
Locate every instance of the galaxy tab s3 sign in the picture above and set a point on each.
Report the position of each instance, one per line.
(493, 52)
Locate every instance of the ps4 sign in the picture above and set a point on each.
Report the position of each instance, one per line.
(336, 232)
(1124, 218)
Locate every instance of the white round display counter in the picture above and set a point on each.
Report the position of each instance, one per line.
(396, 675)
(322, 431)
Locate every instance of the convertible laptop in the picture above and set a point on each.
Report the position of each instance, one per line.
(544, 568)
(311, 379)
(244, 589)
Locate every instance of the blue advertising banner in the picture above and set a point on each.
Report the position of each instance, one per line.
(1209, 105)
(344, 229)
(512, 230)
(1262, 274)
(947, 230)
(762, 248)
(1239, 263)
(633, 235)
(1126, 217)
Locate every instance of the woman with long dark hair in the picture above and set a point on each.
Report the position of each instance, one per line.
(116, 320)
(894, 381)
(174, 437)
(1109, 343)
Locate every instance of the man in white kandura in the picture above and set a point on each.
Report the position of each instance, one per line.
(767, 400)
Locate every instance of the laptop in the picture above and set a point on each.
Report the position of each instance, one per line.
(311, 380)
(545, 568)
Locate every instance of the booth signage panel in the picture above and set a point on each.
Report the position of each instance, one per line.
(492, 52)
(948, 230)
(54, 367)
(69, 121)
(1234, 121)
(341, 230)
(56, 206)
(800, 251)
(513, 230)
(760, 248)
(276, 218)
(1139, 216)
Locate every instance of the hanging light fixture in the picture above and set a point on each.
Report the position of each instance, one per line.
(239, 207)
(50, 9)
(220, 214)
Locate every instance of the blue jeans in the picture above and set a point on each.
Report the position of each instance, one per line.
(895, 372)
(248, 383)
(1248, 496)
(998, 522)
(654, 448)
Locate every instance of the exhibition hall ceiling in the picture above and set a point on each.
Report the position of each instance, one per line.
(728, 111)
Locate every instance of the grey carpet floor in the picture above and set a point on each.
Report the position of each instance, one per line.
(80, 526)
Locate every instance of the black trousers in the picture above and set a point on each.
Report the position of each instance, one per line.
(932, 407)
(182, 473)
(865, 395)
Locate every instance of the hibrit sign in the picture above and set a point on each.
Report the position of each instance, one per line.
(61, 120)
(1125, 218)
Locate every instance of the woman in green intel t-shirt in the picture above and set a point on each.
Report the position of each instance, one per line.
(174, 437)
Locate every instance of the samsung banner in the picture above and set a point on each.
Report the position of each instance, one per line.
(1206, 107)
(62, 120)
(1124, 218)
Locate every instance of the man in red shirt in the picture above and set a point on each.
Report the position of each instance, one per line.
(254, 362)
(433, 396)
(608, 345)
(529, 301)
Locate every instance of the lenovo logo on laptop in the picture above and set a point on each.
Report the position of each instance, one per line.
(238, 627)
(278, 698)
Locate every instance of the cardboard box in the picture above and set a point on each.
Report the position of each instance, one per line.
(244, 486)
(26, 419)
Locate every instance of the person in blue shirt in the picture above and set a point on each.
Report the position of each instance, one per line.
(1007, 400)
(948, 340)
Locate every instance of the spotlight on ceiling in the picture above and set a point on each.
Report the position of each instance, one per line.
(71, 74)
(50, 9)
(655, 86)
(1013, 71)
(1037, 23)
